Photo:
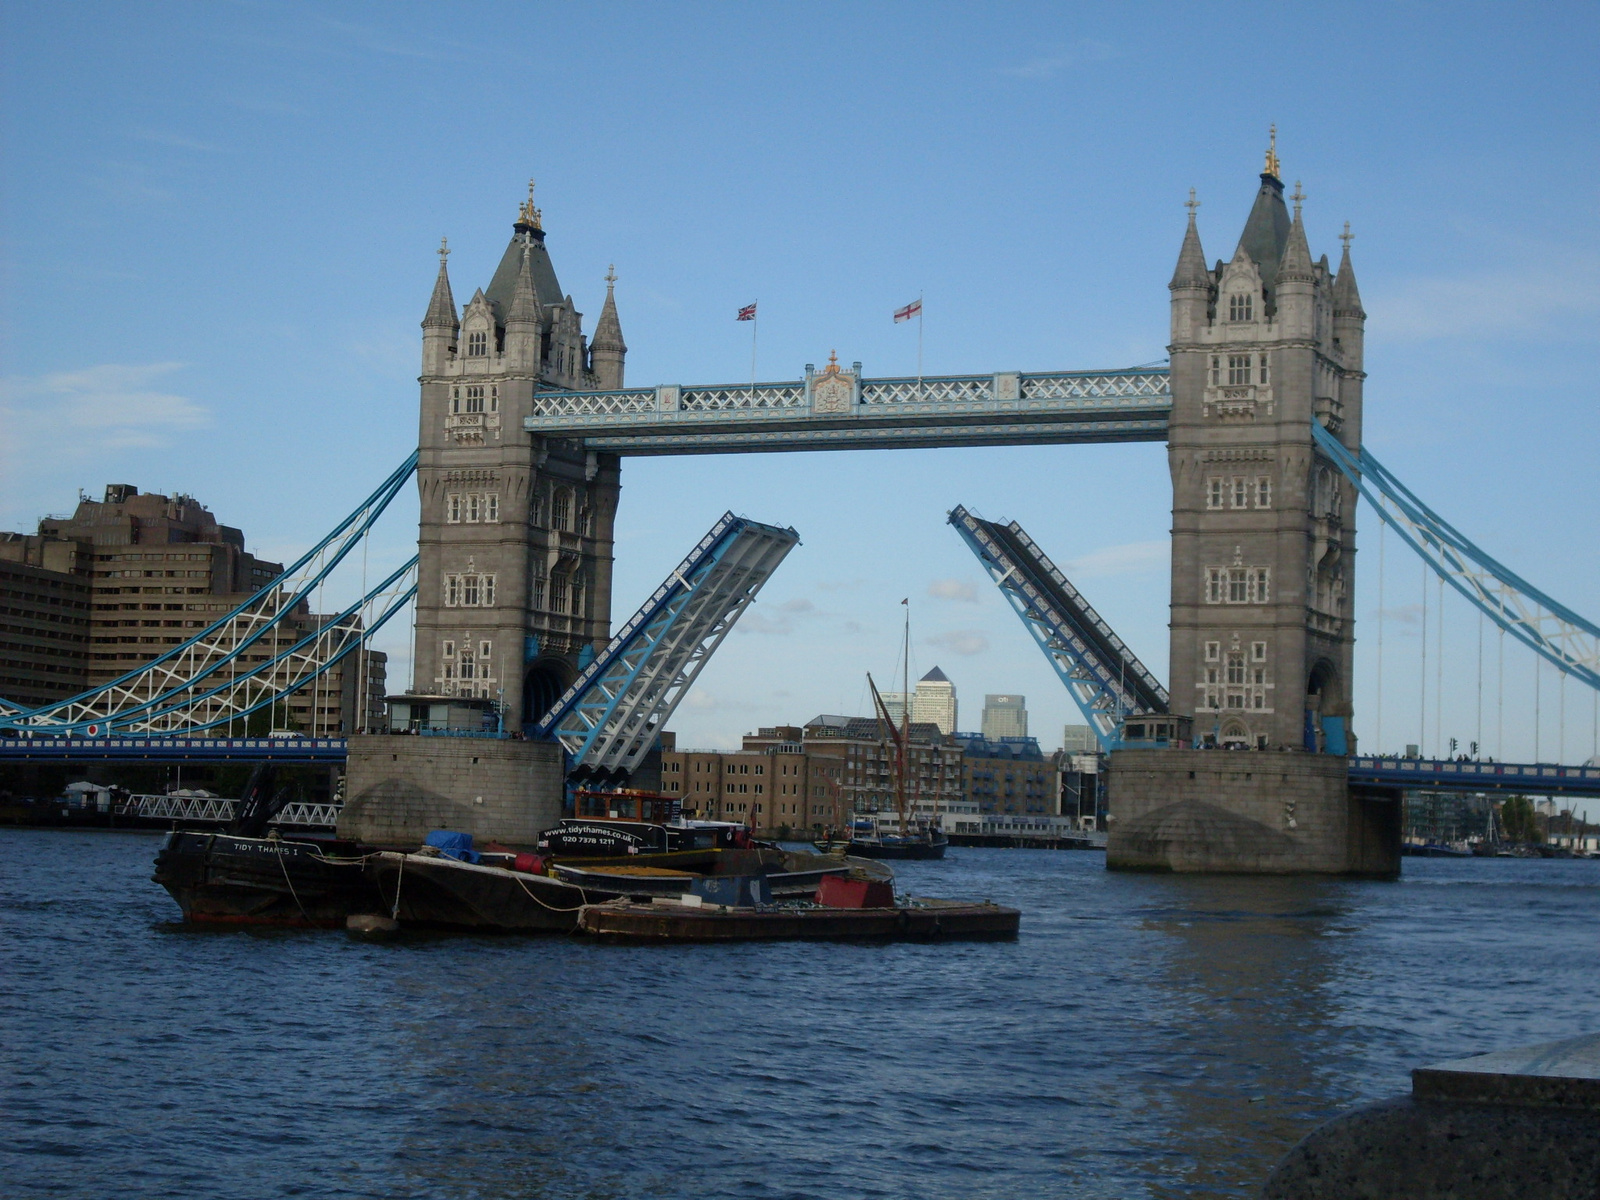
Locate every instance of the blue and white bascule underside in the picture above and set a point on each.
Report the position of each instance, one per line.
(1104, 677)
(608, 720)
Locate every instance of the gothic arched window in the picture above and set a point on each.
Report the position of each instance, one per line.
(1240, 307)
(477, 344)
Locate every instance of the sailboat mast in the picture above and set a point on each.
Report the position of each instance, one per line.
(905, 716)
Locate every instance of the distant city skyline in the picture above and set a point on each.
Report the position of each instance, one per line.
(220, 242)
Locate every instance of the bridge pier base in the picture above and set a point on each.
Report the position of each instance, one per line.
(399, 788)
(1258, 812)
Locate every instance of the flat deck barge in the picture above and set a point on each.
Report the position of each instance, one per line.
(918, 920)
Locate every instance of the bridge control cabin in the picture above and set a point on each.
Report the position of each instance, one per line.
(458, 716)
(1156, 731)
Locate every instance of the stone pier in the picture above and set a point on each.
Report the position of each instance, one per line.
(1266, 812)
(399, 787)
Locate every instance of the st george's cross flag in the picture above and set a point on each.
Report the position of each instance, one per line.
(914, 309)
(747, 313)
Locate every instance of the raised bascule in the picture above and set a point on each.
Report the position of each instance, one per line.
(523, 424)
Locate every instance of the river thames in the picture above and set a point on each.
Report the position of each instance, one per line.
(1144, 1036)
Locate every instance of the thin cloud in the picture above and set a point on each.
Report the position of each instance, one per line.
(839, 585)
(1132, 558)
(798, 605)
(162, 137)
(960, 641)
(962, 590)
(112, 406)
(1050, 65)
(1536, 299)
(755, 622)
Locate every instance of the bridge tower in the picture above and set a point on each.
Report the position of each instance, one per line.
(515, 539)
(1263, 526)
(1263, 562)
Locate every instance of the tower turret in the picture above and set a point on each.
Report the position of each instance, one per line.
(1349, 319)
(522, 321)
(1193, 287)
(440, 325)
(1297, 280)
(607, 351)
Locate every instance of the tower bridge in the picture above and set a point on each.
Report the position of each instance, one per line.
(524, 420)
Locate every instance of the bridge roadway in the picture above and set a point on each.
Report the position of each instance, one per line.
(838, 409)
(1421, 774)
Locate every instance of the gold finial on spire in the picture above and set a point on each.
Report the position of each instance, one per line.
(444, 250)
(611, 277)
(1298, 198)
(1347, 237)
(833, 362)
(527, 214)
(1272, 153)
(1191, 204)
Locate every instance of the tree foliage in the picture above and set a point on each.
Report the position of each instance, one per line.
(1517, 818)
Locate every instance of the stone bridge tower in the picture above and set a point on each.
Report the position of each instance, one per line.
(1263, 527)
(514, 582)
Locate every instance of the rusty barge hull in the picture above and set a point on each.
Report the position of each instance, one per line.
(925, 920)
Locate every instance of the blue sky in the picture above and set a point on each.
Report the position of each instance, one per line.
(218, 226)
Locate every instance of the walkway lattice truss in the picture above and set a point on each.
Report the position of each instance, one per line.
(244, 661)
(1552, 630)
(1103, 676)
(609, 717)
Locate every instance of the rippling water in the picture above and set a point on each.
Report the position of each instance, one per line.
(1145, 1036)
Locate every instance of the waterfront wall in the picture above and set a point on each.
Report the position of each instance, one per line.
(399, 788)
(1259, 812)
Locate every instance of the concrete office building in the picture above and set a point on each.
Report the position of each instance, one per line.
(1078, 739)
(934, 702)
(1005, 717)
(44, 633)
(159, 569)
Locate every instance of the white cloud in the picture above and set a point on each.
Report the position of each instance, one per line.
(755, 622)
(797, 605)
(109, 407)
(963, 590)
(960, 641)
(1047, 66)
(162, 137)
(1522, 301)
(1131, 558)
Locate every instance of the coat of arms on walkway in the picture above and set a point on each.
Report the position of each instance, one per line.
(833, 391)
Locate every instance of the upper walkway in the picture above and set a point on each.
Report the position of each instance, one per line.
(1446, 775)
(838, 409)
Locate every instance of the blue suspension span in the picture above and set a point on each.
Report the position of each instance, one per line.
(170, 675)
(1550, 629)
(1104, 677)
(341, 636)
(608, 719)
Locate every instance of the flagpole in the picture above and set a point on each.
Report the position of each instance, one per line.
(919, 344)
(755, 324)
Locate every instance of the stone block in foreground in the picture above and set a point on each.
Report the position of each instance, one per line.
(1256, 812)
(399, 787)
(1510, 1125)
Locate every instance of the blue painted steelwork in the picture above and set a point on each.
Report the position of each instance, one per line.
(131, 698)
(1435, 774)
(840, 410)
(1550, 629)
(1104, 677)
(608, 719)
(172, 749)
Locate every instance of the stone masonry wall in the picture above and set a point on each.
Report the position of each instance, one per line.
(399, 788)
(1254, 812)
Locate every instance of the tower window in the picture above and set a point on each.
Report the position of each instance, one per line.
(453, 508)
(475, 395)
(1213, 649)
(1263, 491)
(469, 590)
(455, 400)
(494, 390)
(1214, 493)
(1216, 369)
(477, 344)
(483, 652)
(1262, 359)
(491, 507)
(561, 509)
(474, 507)
(1241, 492)
(469, 665)
(1238, 369)
(1258, 651)
(452, 590)
(1235, 669)
(487, 591)
(1238, 586)
(1214, 585)
(1240, 307)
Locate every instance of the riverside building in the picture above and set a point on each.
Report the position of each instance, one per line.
(154, 571)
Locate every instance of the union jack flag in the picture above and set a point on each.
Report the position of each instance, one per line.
(914, 309)
(747, 313)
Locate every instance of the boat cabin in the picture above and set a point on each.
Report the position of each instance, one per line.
(627, 806)
(1156, 731)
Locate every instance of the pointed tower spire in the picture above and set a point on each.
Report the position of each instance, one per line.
(442, 305)
(524, 309)
(1346, 297)
(1191, 271)
(1296, 262)
(607, 350)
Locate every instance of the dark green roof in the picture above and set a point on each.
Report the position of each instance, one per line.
(1266, 233)
(504, 284)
